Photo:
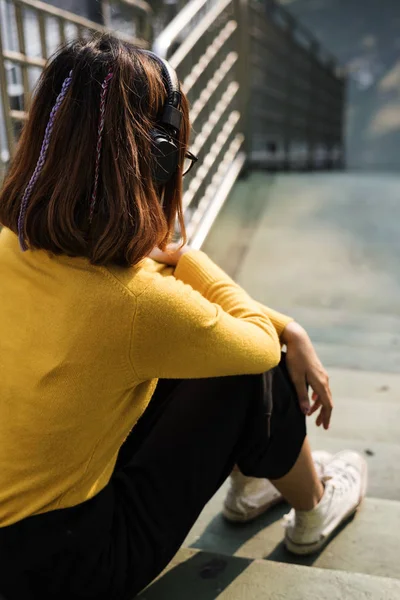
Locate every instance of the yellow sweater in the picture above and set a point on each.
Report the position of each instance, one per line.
(81, 348)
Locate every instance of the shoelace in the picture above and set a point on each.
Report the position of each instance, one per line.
(340, 478)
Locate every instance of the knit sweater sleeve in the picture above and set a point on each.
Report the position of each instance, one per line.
(199, 323)
(279, 320)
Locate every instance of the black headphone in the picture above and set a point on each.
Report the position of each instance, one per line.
(165, 136)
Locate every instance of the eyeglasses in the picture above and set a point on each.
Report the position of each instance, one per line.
(190, 161)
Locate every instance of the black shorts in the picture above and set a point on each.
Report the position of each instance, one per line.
(181, 451)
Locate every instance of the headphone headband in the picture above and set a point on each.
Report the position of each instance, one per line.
(172, 116)
(170, 75)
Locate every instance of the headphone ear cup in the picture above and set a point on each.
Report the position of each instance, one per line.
(165, 157)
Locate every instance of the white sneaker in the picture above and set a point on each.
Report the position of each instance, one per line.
(345, 487)
(249, 497)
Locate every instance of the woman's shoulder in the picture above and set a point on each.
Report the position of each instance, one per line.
(137, 279)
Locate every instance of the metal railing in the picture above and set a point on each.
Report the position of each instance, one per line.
(203, 45)
(297, 93)
(262, 90)
(30, 31)
(263, 93)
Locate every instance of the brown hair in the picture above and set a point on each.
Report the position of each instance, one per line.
(129, 220)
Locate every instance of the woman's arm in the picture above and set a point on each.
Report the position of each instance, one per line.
(303, 363)
(279, 320)
(306, 369)
(200, 323)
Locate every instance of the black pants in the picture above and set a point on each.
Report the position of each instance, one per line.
(178, 455)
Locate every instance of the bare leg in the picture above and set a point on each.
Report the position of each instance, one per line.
(301, 487)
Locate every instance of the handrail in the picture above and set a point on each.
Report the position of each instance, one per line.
(262, 91)
(163, 43)
(27, 49)
(203, 43)
(48, 9)
(291, 21)
(198, 31)
(139, 4)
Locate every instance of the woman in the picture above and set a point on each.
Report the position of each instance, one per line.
(135, 375)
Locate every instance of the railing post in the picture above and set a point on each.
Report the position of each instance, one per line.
(19, 19)
(313, 100)
(5, 102)
(342, 127)
(241, 8)
(288, 125)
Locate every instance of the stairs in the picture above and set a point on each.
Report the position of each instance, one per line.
(204, 576)
(324, 249)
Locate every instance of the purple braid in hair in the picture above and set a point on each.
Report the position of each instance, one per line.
(41, 161)
(104, 89)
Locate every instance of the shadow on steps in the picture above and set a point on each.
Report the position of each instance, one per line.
(231, 538)
(199, 577)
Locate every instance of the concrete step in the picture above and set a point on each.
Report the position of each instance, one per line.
(231, 236)
(322, 249)
(372, 385)
(365, 420)
(366, 358)
(369, 543)
(208, 576)
(383, 461)
(324, 240)
(361, 341)
(373, 328)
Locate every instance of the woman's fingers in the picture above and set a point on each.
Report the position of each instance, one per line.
(316, 405)
(323, 391)
(171, 255)
(157, 254)
(326, 413)
(305, 369)
(302, 394)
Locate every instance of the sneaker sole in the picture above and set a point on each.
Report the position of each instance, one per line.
(235, 517)
(303, 549)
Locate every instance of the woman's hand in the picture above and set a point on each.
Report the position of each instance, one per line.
(171, 255)
(305, 368)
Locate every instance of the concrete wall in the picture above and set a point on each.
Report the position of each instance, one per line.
(365, 36)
